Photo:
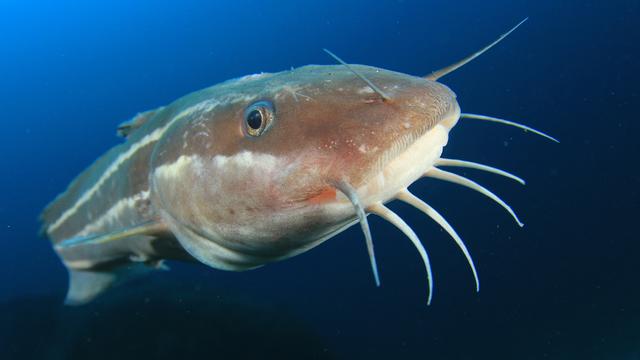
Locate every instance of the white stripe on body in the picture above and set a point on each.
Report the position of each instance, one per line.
(113, 214)
(133, 149)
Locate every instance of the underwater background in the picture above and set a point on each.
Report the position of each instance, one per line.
(563, 287)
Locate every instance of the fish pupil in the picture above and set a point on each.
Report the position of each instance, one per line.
(254, 120)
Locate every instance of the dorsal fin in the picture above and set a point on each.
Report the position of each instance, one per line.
(126, 128)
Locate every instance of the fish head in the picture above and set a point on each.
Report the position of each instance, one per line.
(252, 171)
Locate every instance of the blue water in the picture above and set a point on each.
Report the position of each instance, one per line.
(563, 287)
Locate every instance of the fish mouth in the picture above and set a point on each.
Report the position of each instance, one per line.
(410, 158)
(407, 160)
(413, 159)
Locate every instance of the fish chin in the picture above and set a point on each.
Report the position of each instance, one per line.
(207, 250)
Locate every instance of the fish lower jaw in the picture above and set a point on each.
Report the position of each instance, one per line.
(407, 167)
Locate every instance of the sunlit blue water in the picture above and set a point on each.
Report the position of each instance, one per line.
(563, 287)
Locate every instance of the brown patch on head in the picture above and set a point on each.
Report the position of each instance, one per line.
(328, 126)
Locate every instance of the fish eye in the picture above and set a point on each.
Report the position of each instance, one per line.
(258, 118)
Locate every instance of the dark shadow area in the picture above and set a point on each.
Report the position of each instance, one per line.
(149, 324)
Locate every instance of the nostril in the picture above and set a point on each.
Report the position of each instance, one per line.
(373, 99)
(373, 87)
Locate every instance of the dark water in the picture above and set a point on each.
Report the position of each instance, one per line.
(563, 287)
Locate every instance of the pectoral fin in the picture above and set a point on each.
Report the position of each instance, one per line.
(88, 280)
(85, 285)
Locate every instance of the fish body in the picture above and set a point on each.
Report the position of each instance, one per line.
(256, 170)
(209, 192)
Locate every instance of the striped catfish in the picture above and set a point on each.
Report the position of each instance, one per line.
(259, 169)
